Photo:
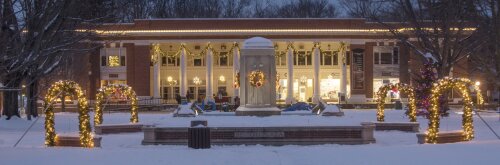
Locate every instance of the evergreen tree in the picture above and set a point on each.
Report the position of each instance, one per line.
(423, 87)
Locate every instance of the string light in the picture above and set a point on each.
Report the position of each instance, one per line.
(405, 88)
(256, 78)
(438, 89)
(70, 87)
(106, 91)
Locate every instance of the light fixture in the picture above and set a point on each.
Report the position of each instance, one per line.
(196, 80)
(222, 78)
(169, 79)
(478, 83)
(303, 79)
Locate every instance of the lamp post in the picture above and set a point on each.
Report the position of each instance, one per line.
(196, 82)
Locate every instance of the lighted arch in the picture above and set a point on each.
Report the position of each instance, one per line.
(70, 88)
(105, 91)
(442, 86)
(382, 93)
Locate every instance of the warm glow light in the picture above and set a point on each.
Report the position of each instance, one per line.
(412, 103)
(106, 91)
(111, 32)
(442, 86)
(68, 87)
(196, 80)
(169, 79)
(222, 78)
(478, 83)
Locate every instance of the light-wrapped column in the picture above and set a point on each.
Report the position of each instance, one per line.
(236, 67)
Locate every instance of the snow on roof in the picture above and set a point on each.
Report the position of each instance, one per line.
(258, 43)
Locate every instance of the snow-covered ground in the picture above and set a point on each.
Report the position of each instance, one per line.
(392, 147)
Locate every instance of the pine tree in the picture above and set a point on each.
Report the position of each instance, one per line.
(423, 87)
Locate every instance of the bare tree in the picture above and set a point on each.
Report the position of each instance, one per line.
(439, 29)
(487, 58)
(308, 9)
(235, 8)
(36, 36)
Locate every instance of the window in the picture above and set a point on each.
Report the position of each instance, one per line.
(376, 58)
(113, 61)
(336, 58)
(395, 56)
(122, 60)
(167, 94)
(327, 58)
(301, 58)
(385, 58)
(163, 61)
(386, 55)
(198, 62)
(223, 59)
(309, 58)
(103, 61)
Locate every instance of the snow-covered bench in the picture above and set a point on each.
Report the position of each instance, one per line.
(118, 128)
(74, 141)
(444, 137)
(402, 126)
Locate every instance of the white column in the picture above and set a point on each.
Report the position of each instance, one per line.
(209, 75)
(289, 89)
(155, 58)
(316, 91)
(236, 68)
(156, 79)
(343, 76)
(182, 72)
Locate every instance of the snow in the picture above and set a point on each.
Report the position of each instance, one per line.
(258, 43)
(392, 147)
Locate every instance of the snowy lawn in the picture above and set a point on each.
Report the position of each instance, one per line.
(392, 147)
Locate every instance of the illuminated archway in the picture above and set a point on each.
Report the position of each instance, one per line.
(412, 104)
(106, 91)
(438, 89)
(70, 88)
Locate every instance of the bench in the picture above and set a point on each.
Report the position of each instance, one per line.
(74, 141)
(444, 137)
(400, 126)
(117, 128)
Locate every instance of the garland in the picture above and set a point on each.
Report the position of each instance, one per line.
(73, 88)
(437, 90)
(106, 91)
(256, 78)
(412, 103)
(237, 80)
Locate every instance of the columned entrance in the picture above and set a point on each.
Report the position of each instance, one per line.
(209, 71)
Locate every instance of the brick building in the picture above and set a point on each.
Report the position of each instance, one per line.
(164, 58)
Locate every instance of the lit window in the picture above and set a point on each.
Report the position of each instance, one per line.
(113, 61)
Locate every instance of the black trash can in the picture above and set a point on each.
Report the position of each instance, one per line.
(199, 137)
(398, 105)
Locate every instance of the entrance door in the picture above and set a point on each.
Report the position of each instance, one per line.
(302, 93)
